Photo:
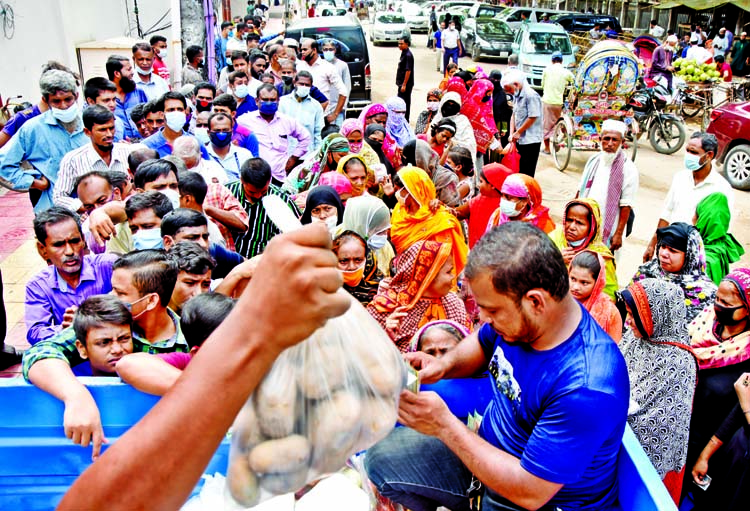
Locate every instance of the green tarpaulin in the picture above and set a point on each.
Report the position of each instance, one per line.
(700, 5)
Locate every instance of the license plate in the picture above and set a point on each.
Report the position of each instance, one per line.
(503, 54)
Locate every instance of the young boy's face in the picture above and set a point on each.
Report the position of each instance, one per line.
(105, 345)
(187, 286)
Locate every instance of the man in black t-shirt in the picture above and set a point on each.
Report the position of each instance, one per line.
(405, 72)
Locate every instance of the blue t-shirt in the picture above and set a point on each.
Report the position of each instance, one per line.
(14, 124)
(561, 411)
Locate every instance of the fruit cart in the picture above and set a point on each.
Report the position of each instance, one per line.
(606, 78)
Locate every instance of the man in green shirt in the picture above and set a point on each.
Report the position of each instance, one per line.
(554, 81)
(143, 280)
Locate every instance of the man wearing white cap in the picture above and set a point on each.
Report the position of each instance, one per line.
(661, 62)
(697, 53)
(611, 179)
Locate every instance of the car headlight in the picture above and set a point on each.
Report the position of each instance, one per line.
(526, 68)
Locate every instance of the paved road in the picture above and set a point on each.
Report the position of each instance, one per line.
(656, 170)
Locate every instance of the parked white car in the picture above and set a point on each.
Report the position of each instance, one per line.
(415, 17)
(388, 27)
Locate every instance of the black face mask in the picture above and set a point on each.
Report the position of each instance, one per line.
(724, 315)
(287, 80)
(308, 58)
(202, 105)
(375, 144)
(486, 99)
(449, 109)
(127, 85)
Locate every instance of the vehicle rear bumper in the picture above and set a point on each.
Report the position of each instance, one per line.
(357, 105)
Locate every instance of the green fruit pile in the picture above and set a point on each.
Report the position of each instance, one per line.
(692, 71)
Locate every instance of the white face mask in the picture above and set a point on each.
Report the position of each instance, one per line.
(241, 91)
(148, 239)
(432, 106)
(303, 91)
(508, 208)
(67, 115)
(202, 135)
(331, 222)
(143, 72)
(377, 241)
(329, 55)
(163, 54)
(173, 196)
(175, 120)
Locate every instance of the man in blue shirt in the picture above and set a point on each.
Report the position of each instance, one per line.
(550, 436)
(100, 91)
(44, 140)
(120, 71)
(174, 106)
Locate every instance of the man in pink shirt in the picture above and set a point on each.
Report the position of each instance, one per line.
(273, 130)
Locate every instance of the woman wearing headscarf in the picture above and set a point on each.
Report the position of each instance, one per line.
(451, 70)
(375, 138)
(479, 209)
(581, 230)
(450, 108)
(712, 221)
(354, 133)
(521, 199)
(338, 182)
(358, 266)
(501, 110)
(440, 136)
(370, 218)
(419, 154)
(662, 373)
(397, 129)
(354, 167)
(720, 338)
(326, 159)
(478, 109)
(413, 221)
(419, 293)
(426, 116)
(587, 281)
(457, 84)
(436, 338)
(323, 204)
(375, 113)
(679, 258)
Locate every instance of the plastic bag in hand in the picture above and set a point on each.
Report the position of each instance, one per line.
(332, 395)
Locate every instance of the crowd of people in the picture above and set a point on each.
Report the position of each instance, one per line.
(149, 213)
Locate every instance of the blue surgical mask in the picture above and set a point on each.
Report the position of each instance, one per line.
(268, 107)
(148, 239)
(693, 162)
(377, 241)
(576, 244)
(508, 208)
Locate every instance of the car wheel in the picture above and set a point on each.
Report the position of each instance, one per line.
(737, 167)
(475, 53)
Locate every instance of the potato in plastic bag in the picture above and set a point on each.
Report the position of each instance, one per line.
(324, 399)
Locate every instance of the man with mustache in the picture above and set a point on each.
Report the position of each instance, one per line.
(120, 71)
(53, 295)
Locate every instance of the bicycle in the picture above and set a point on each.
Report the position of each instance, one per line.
(8, 20)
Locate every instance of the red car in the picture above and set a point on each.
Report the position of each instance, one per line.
(731, 125)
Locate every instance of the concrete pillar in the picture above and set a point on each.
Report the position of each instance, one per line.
(637, 20)
(623, 11)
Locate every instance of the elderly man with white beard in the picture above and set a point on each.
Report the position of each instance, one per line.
(611, 178)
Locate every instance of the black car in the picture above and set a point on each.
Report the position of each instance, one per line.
(353, 51)
(585, 22)
(486, 37)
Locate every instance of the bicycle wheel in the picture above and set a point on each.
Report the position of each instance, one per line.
(561, 145)
(691, 106)
(9, 24)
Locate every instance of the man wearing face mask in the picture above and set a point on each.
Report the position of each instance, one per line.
(153, 85)
(103, 154)
(228, 155)
(241, 135)
(44, 140)
(661, 65)
(276, 53)
(691, 185)
(526, 123)
(144, 281)
(159, 47)
(274, 131)
(191, 72)
(120, 71)
(451, 42)
(188, 150)
(174, 106)
(299, 105)
(330, 49)
(239, 89)
(611, 178)
(326, 78)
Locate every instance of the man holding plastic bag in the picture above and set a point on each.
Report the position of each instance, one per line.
(550, 437)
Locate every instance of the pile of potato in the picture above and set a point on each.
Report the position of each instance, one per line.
(323, 400)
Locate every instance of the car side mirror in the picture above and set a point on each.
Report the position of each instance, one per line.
(515, 47)
(576, 49)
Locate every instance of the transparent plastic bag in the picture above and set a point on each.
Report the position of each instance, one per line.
(332, 395)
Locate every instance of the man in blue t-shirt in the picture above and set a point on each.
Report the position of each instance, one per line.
(550, 436)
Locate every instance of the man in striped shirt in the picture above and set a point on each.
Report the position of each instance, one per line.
(102, 153)
(254, 184)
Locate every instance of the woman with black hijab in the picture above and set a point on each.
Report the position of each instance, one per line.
(374, 136)
(501, 110)
(323, 205)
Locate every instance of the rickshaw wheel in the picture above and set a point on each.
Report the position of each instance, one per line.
(631, 141)
(561, 144)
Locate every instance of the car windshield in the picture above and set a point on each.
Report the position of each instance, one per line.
(545, 43)
(352, 43)
(493, 27)
(391, 19)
